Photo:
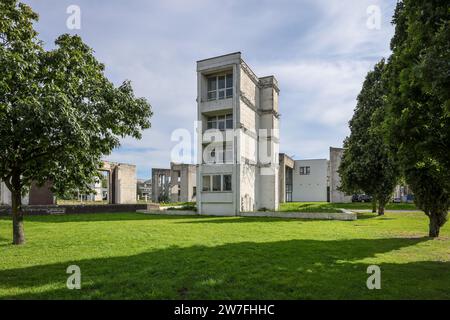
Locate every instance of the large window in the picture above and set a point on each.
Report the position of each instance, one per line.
(220, 87)
(217, 182)
(220, 122)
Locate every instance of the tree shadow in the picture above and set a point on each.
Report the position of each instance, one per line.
(294, 269)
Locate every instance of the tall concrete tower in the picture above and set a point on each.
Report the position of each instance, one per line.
(238, 137)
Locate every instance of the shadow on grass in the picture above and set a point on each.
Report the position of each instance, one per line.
(295, 269)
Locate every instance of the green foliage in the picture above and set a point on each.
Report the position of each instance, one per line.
(59, 114)
(366, 164)
(418, 117)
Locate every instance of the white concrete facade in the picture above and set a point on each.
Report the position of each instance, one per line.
(336, 195)
(310, 180)
(233, 103)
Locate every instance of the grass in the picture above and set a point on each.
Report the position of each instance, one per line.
(334, 207)
(177, 204)
(308, 207)
(134, 256)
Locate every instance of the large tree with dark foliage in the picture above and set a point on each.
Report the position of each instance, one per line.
(418, 118)
(366, 163)
(58, 112)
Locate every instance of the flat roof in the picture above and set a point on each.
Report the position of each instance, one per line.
(223, 55)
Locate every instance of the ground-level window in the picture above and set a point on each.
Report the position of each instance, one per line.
(217, 182)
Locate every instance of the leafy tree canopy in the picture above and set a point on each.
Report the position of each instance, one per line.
(59, 114)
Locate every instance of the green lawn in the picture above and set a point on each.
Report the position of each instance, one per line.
(334, 207)
(152, 257)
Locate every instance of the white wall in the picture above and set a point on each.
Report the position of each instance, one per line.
(312, 187)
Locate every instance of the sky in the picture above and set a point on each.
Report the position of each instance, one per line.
(319, 50)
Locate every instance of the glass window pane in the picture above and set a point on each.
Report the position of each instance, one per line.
(229, 93)
(222, 94)
(216, 182)
(212, 123)
(212, 83)
(221, 125)
(206, 183)
(212, 95)
(229, 124)
(227, 182)
(229, 80)
(221, 82)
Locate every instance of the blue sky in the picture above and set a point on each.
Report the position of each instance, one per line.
(318, 50)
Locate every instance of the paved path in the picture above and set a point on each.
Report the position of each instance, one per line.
(385, 210)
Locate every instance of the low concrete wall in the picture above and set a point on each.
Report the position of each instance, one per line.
(75, 209)
(345, 215)
(170, 212)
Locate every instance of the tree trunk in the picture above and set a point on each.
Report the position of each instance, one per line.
(17, 217)
(374, 206)
(381, 204)
(437, 220)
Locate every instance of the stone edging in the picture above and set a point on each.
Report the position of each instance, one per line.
(345, 215)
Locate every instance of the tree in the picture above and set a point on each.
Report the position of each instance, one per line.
(418, 98)
(59, 114)
(366, 163)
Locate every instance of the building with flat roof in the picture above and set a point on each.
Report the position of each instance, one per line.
(238, 137)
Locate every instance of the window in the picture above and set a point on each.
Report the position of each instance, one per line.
(220, 87)
(305, 170)
(220, 183)
(216, 182)
(220, 122)
(220, 153)
(227, 182)
(194, 191)
(206, 183)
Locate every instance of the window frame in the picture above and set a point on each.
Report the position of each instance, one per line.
(215, 94)
(210, 178)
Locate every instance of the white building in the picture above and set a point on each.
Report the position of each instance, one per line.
(237, 137)
(310, 180)
(336, 195)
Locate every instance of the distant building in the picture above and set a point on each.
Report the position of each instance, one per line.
(144, 189)
(310, 180)
(177, 184)
(38, 195)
